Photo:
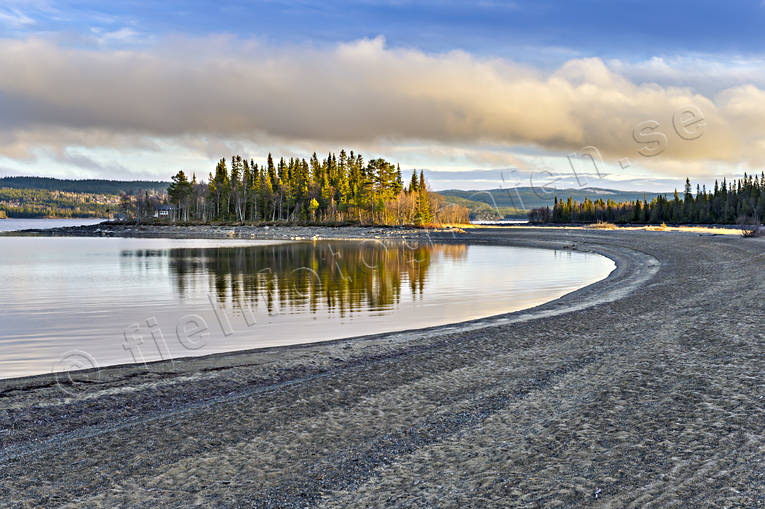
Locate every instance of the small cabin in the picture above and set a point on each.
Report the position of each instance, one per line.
(164, 211)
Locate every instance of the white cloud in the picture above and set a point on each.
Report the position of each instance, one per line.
(705, 74)
(14, 18)
(201, 91)
(122, 37)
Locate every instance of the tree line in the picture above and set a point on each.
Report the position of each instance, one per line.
(739, 201)
(337, 189)
(90, 186)
(28, 203)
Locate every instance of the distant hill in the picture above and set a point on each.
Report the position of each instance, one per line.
(508, 201)
(484, 211)
(95, 186)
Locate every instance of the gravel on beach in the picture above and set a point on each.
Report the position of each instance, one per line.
(646, 389)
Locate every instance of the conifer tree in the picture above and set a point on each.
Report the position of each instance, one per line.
(414, 184)
(179, 192)
(423, 202)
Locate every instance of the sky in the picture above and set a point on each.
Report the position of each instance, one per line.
(622, 94)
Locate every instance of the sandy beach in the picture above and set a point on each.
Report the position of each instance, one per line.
(646, 389)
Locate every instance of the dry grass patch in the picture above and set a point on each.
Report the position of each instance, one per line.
(750, 232)
(601, 225)
(751, 227)
(662, 227)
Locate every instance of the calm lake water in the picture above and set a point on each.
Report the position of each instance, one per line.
(500, 221)
(81, 302)
(13, 224)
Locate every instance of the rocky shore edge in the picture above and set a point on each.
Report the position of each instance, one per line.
(268, 232)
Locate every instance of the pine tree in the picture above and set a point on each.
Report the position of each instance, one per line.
(398, 184)
(424, 215)
(179, 192)
(414, 184)
(222, 187)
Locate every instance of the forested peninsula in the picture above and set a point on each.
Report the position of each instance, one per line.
(338, 189)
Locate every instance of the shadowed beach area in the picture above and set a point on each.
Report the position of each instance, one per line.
(645, 388)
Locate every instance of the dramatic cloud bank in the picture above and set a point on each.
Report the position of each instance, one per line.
(216, 88)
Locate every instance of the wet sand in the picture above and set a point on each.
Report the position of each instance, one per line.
(644, 389)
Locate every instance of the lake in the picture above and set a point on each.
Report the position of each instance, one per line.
(81, 302)
(500, 221)
(14, 224)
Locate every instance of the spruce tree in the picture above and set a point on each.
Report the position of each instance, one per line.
(423, 212)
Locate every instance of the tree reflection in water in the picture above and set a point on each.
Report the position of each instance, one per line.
(342, 276)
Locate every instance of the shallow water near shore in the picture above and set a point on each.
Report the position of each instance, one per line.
(16, 224)
(74, 303)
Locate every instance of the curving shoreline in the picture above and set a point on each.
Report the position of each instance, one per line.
(644, 387)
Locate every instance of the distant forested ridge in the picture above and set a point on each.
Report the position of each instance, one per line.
(337, 189)
(46, 203)
(92, 186)
(516, 201)
(480, 210)
(739, 201)
(51, 197)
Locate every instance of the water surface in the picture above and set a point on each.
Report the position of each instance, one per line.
(500, 221)
(16, 224)
(81, 302)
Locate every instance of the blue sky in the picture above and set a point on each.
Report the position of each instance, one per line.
(653, 57)
(632, 29)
